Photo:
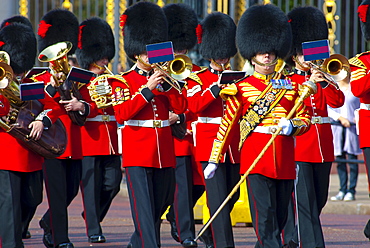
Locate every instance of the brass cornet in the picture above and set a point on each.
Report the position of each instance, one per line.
(335, 68)
(177, 69)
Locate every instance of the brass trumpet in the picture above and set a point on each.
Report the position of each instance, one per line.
(335, 68)
(177, 69)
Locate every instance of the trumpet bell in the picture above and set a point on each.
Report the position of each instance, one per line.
(337, 66)
(180, 68)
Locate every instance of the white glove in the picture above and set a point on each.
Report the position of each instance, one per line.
(286, 126)
(210, 170)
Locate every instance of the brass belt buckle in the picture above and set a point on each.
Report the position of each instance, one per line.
(157, 123)
(316, 120)
(105, 118)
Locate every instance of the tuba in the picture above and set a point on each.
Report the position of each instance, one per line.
(56, 55)
(335, 68)
(53, 141)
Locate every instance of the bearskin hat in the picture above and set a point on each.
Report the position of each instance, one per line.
(95, 42)
(17, 18)
(364, 15)
(263, 28)
(143, 23)
(218, 36)
(56, 26)
(19, 41)
(308, 24)
(182, 23)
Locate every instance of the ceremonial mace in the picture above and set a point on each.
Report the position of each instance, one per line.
(308, 89)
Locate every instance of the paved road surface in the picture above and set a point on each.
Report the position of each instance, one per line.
(340, 229)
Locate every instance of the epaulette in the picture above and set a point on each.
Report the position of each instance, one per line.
(33, 77)
(355, 61)
(126, 72)
(241, 79)
(193, 76)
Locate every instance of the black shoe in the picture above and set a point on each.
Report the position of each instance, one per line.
(189, 242)
(129, 245)
(291, 244)
(65, 245)
(47, 238)
(367, 229)
(174, 233)
(99, 238)
(208, 241)
(26, 235)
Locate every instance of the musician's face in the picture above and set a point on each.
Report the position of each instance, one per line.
(300, 63)
(143, 62)
(98, 67)
(264, 58)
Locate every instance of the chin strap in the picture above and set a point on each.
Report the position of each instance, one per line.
(221, 66)
(274, 62)
(142, 61)
(295, 58)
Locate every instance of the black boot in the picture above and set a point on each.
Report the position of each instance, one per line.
(47, 238)
(174, 233)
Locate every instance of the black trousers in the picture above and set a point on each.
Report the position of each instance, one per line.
(151, 191)
(366, 151)
(312, 195)
(182, 208)
(62, 179)
(20, 194)
(100, 183)
(218, 188)
(268, 201)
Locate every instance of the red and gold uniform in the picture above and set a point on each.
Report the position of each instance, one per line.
(276, 167)
(74, 145)
(21, 167)
(16, 156)
(62, 175)
(360, 83)
(101, 164)
(278, 161)
(99, 134)
(134, 103)
(319, 138)
(314, 154)
(147, 149)
(205, 102)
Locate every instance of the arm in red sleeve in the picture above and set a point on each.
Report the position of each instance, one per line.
(200, 98)
(360, 78)
(334, 97)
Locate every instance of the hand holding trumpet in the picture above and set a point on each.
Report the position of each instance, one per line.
(155, 79)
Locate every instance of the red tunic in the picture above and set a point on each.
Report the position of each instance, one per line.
(99, 137)
(360, 86)
(145, 146)
(15, 156)
(74, 145)
(316, 145)
(204, 104)
(278, 160)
